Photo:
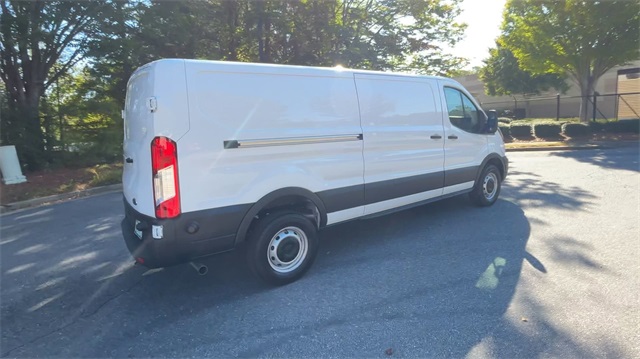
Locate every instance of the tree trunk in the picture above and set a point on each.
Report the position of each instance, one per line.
(586, 92)
(232, 8)
(267, 38)
(25, 132)
(260, 29)
(29, 141)
(31, 146)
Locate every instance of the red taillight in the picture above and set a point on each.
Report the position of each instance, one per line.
(164, 164)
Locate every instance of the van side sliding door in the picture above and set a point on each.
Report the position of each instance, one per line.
(403, 140)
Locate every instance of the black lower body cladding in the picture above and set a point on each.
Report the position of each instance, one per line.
(184, 238)
(359, 195)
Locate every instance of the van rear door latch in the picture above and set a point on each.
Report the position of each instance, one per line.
(152, 104)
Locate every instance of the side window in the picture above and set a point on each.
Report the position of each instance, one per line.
(462, 112)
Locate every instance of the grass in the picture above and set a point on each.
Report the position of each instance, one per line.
(104, 175)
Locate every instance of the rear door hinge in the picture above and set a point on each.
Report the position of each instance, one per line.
(152, 104)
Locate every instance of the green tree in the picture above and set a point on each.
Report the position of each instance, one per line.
(35, 36)
(583, 38)
(181, 29)
(502, 75)
(367, 34)
(93, 125)
(406, 35)
(116, 50)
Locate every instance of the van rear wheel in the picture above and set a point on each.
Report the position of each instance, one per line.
(487, 188)
(282, 247)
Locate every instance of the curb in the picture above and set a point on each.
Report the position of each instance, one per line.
(11, 207)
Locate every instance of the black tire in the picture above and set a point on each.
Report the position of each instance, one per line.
(487, 189)
(286, 258)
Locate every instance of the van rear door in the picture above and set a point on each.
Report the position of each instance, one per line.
(138, 134)
(156, 106)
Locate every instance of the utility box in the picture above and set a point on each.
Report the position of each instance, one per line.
(10, 166)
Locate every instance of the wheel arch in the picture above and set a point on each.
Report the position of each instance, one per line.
(492, 159)
(283, 198)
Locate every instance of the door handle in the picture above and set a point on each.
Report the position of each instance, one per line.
(436, 137)
(129, 160)
(453, 137)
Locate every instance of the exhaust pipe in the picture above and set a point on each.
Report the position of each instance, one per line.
(200, 268)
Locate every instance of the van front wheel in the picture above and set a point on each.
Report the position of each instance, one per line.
(282, 247)
(487, 188)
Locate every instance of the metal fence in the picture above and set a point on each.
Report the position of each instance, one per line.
(606, 106)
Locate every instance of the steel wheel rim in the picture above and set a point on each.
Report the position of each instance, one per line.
(490, 186)
(280, 252)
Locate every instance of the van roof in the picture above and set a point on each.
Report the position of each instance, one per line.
(279, 68)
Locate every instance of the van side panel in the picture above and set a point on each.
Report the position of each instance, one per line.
(283, 127)
(403, 164)
(171, 119)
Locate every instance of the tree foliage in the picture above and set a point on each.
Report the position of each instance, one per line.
(582, 38)
(502, 75)
(96, 45)
(34, 37)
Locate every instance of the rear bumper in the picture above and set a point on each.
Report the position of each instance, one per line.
(181, 239)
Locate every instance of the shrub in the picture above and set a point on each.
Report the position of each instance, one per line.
(624, 126)
(505, 129)
(621, 126)
(575, 129)
(598, 126)
(520, 130)
(546, 130)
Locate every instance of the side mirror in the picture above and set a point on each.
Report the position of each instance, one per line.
(492, 121)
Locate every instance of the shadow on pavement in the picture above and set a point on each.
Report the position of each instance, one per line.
(626, 158)
(532, 189)
(540, 332)
(434, 281)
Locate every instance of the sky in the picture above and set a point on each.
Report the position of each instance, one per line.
(483, 18)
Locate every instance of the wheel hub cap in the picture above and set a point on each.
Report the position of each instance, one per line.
(287, 249)
(490, 186)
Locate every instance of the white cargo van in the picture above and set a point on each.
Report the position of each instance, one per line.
(220, 155)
